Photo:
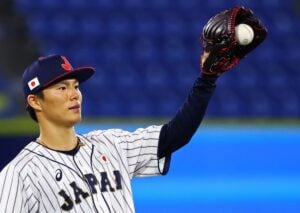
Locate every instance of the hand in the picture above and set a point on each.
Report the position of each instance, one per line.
(221, 50)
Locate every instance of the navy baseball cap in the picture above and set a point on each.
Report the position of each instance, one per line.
(51, 69)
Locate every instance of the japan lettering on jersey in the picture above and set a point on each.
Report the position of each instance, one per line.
(95, 179)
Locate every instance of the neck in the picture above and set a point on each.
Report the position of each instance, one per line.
(58, 138)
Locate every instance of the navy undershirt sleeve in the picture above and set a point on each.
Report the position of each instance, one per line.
(179, 130)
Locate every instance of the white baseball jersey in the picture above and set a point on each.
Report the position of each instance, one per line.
(95, 179)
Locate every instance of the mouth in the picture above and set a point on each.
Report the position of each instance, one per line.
(75, 107)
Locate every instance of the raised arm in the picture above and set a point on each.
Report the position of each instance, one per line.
(222, 50)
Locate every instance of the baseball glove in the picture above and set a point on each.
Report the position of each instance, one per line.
(221, 50)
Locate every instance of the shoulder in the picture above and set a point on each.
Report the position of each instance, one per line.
(101, 136)
(120, 132)
(113, 136)
(21, 162)
(98, 134)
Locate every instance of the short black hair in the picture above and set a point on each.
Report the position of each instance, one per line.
(30, 110)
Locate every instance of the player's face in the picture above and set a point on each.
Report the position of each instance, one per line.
(62, 103)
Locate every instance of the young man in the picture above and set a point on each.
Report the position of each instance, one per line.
(64, 171)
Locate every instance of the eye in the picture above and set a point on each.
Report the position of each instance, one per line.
(62, 88)
(77, 86)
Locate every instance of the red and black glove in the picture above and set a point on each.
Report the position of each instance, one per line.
(221, 50)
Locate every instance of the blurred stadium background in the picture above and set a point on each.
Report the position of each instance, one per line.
(244, 158)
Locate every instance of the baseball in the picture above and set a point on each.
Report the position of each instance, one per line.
(244, 34)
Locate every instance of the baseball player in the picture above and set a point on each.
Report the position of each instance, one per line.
(62, 171)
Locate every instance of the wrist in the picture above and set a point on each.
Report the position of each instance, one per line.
(209, 78)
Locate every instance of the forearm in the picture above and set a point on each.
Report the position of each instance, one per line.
(178, 131)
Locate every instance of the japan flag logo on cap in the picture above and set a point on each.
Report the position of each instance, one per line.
(33, 83)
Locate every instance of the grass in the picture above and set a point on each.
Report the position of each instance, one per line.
(25, 126)
(18, 126)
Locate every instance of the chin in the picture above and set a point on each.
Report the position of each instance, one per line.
(75, 121)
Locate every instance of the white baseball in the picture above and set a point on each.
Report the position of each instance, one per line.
(244, 34)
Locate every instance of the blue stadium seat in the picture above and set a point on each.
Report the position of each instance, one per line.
(188, 5)
(31, 6)
(159, 4)
(126, 77)
(229, 104)
(164, 101)
(134, 4)
(245, 75)
(275, 5)
(183, 75)
(104, 5)
(138, 103)
(172, 24)
(261, 104)
(175, 50)
(217, 6)
(91, 27)
(113, 52)
(145, 24)
(63, 25)
(119, 24)
(24, 7)
(82, 55)
(79, 6)
(150, 47)
(107, 103)
(155, 76)
(39, 25)
(145, 49)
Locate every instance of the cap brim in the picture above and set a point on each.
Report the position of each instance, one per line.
(81, 74)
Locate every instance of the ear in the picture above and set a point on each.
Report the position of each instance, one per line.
(34, 102)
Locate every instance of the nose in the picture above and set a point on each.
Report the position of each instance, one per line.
(75, 94)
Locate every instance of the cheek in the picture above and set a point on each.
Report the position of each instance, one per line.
(80, 96)
(54, 100)
(54, 105)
